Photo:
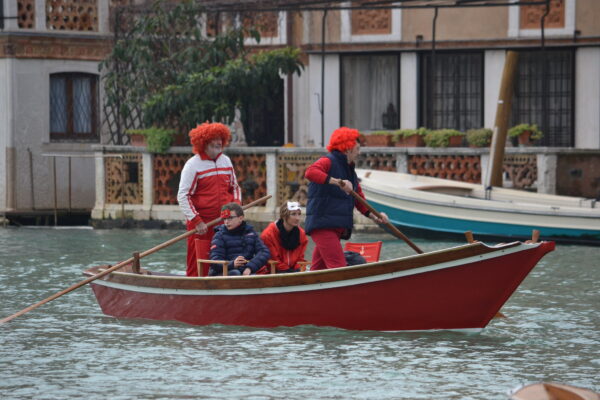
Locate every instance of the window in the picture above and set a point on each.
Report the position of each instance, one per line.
(370, 91)
(543, 94)
(73, 107)
(452, 91)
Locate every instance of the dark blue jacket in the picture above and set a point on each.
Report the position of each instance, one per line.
(328, 205)
(242, 241)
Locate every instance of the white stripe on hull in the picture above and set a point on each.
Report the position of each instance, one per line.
(311, 287)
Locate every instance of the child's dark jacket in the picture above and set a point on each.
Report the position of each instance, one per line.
(242, 241)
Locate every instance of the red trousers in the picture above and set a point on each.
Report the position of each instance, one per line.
(192, 264)
(328, 252)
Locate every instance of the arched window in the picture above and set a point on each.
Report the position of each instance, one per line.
(74, 107)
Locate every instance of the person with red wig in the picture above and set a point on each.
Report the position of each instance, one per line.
(207, 183)
(330, 206)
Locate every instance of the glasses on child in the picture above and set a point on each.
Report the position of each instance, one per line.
(230, 217)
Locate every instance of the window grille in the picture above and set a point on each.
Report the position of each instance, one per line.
(543, 94)
(452, 90)
(73, 107)
(370, 91)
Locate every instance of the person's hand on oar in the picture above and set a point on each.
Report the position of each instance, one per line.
(379, 220)
(346, 186)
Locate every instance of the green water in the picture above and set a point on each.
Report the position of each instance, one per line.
(69, 349)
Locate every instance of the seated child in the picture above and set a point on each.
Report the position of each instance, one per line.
(237, 242)
(285, 238)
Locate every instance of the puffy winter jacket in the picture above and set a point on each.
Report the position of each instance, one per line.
(242, 241)
(287, 259)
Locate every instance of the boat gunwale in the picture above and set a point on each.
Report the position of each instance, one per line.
(560, 212)
(309, 277)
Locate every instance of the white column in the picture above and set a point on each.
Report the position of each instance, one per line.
(587, 98)
(409, 90)
(332, 96)
(7, 145)
(493, 67)
(148, 181)
(402, 163)
(11, 10)
(484, 160)
(103, 16)
(271, 168)
(40, 15)
(98, 211)
(546, 173)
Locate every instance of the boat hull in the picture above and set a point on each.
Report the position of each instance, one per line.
(460, 289)
(451, 207)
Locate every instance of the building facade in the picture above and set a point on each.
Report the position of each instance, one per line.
(368, 68)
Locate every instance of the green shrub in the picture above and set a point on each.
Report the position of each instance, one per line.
(441, 137)
(158, 140)
(405, 133)
(479, 137)
(518, 129)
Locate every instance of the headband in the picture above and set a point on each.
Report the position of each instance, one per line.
(226, 213)
(293, 205)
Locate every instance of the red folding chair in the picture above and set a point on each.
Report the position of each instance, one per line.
(369, 251)
(202, 253)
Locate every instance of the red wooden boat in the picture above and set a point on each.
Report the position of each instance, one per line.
(459, 288)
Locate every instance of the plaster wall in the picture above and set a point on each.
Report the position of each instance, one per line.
(463, 23)
(332, 27)
(34, 180)
(587, 16)
(587, 98)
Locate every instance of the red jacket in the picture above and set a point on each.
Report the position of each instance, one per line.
(205, 186)
(287, 258)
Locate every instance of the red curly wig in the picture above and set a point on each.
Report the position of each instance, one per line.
(204, 133)
(343, 139)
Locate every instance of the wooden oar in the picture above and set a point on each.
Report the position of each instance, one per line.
(391, 227)
(122, 264)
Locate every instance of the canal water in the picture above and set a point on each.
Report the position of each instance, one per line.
(69, 349)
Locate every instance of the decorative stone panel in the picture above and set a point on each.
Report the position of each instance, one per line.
(124, 179)
(378, 161)
(371, 22)
(251, 173)
(26, 14)
(54, 48)
(458, 168)
(291, 183)
(521, 170)
(530, 16)
(72, 15)
(267, 23)
(167, 172)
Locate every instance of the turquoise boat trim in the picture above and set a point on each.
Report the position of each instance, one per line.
(400, 217)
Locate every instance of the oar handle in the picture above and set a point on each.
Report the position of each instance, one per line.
(122, 264)
(391, 227)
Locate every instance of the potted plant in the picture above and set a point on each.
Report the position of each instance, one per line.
(410, 137)
(525, 133)
(156, 140)
(378, 139)
(444, 138)
(479, 137)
